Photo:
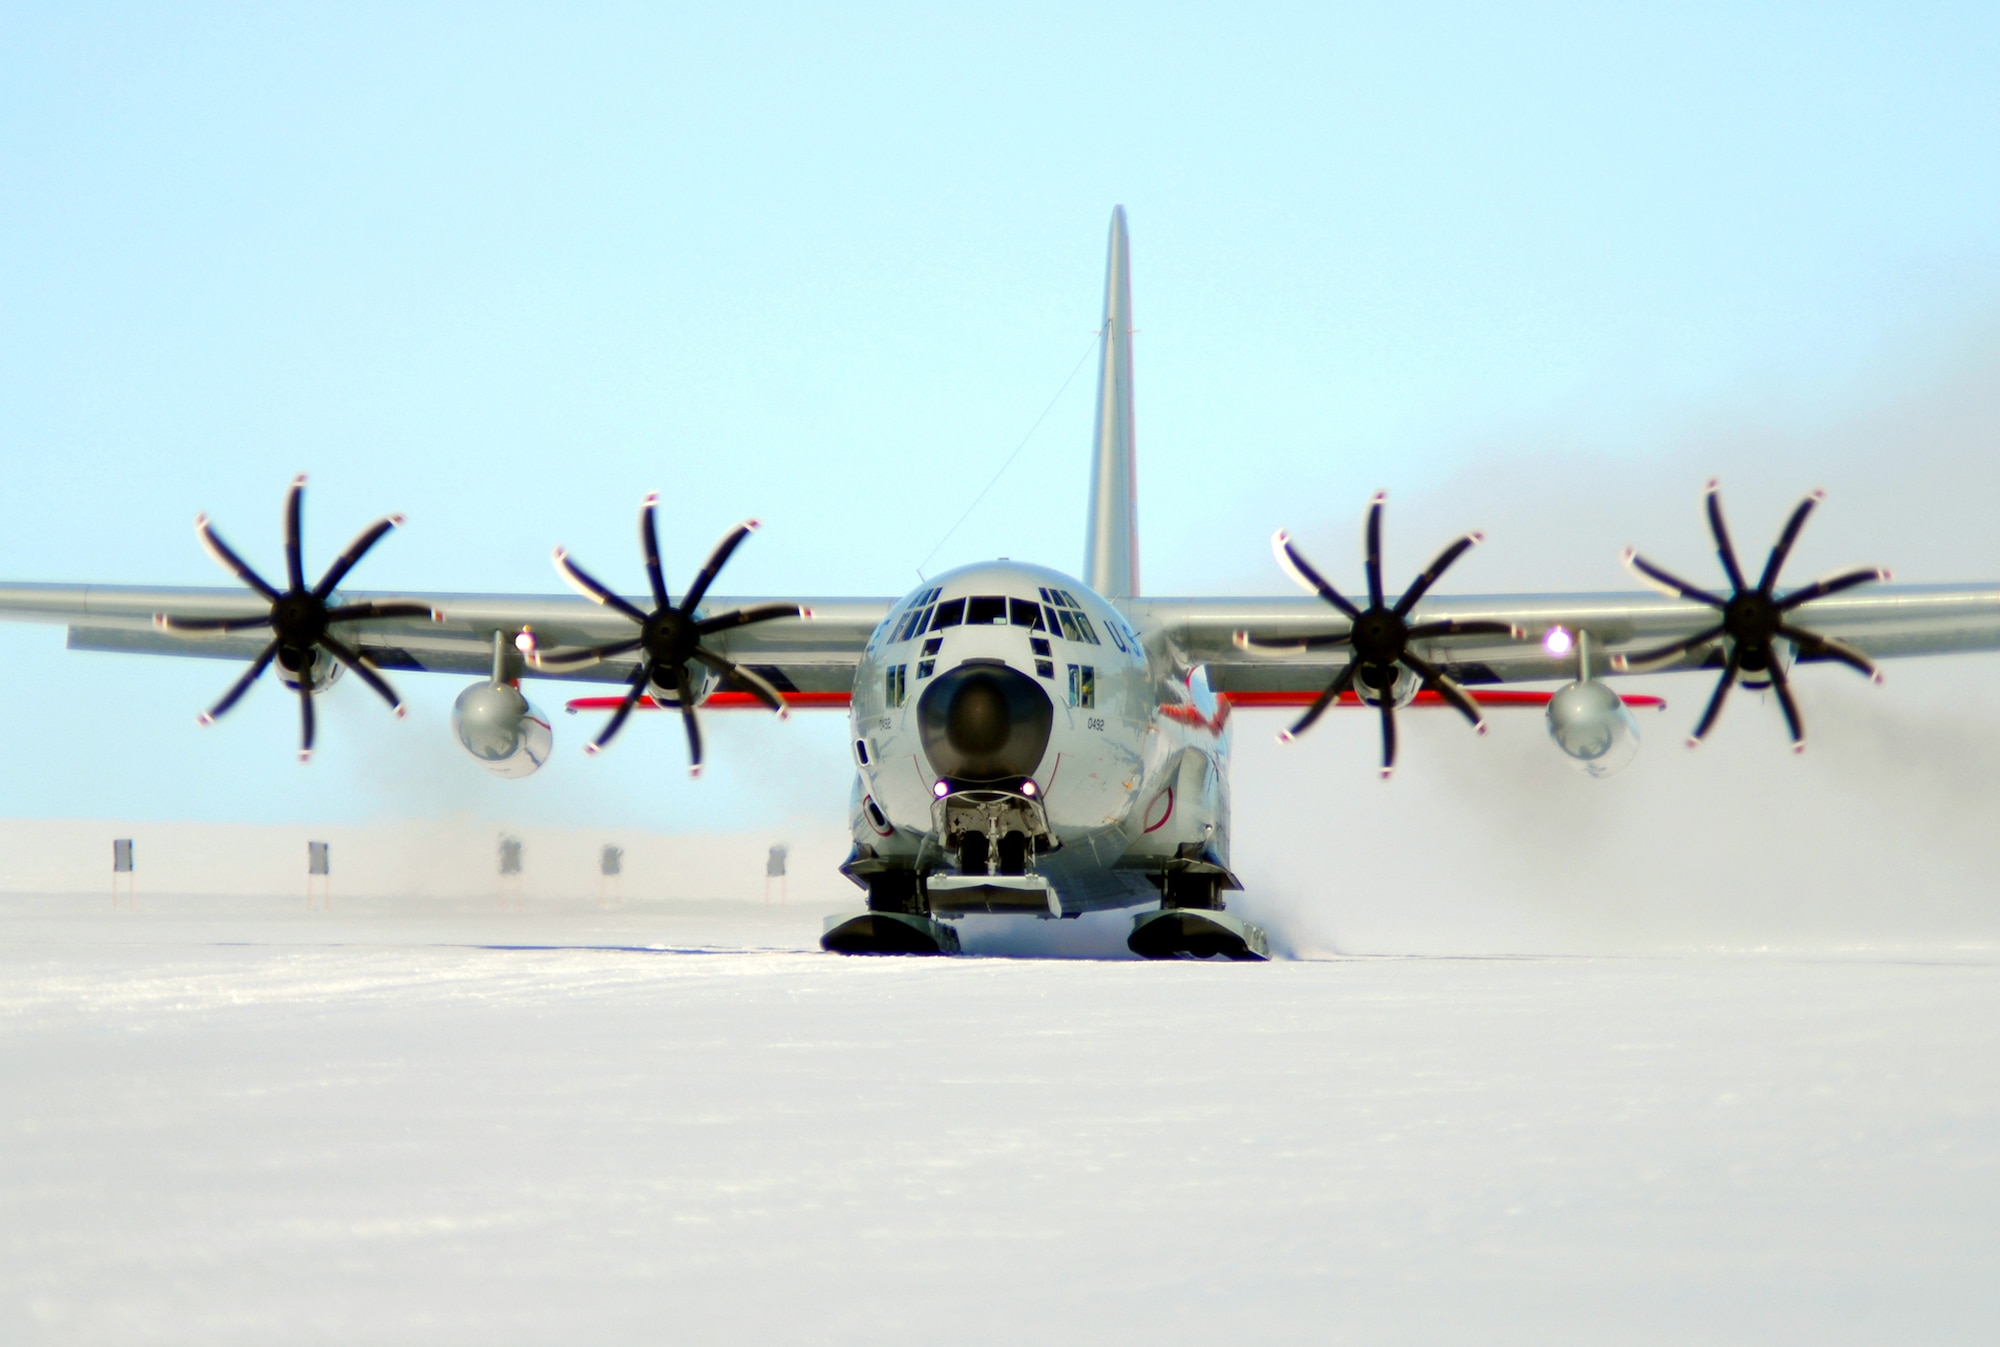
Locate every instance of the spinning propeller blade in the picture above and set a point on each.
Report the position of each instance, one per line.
(300, 619)
(1753, 619)
(670, 636)
(1379, 636)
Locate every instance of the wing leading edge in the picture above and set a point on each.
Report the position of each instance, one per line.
(819, 653)
(815, 654)
(1883, 622)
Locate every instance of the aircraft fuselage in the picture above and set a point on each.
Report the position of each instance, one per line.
(1007, 721)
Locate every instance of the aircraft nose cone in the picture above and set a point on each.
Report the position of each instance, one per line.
(984, 722)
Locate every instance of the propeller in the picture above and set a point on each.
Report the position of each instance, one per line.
(1378, 637)
(300, 619)
(670, 636)
(1754, 618)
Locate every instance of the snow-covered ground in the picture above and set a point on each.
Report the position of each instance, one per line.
(230, 1121)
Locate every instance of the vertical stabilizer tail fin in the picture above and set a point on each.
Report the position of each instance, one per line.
(1111, 544)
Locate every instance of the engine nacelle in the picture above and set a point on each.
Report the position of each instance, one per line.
(702, 681)
(318, 675)
(502, 729)
(1758, 678)
(1399, 694)
(1592, 726)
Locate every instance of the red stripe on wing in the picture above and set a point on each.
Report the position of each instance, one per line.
(1255, 701)
(721, 701)
(1249, 701)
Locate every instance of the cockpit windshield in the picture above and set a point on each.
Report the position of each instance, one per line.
(985, 612)
(926, 613)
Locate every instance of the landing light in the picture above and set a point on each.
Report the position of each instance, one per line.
(1557, 642)
(1028, 789)
(941, 789)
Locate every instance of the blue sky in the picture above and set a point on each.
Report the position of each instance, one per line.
(507, 270)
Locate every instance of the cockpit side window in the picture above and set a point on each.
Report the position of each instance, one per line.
(985, 611)
(949, 614)
(1065, 616)
(1026, 614)
(919, 617)
(1082, 685)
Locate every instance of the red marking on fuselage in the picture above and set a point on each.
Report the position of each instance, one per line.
(1183, 714)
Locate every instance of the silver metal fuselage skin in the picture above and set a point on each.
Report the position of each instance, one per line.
(1124, 784)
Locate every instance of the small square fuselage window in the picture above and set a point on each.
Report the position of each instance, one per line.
(933, 645)
(924, 668)
(1045, 669)
(1039, 644)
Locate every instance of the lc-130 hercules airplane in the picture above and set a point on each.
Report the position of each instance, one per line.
(1028, 742)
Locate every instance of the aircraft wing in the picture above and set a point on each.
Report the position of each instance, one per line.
(1880, 621)
(818, 654)
(815, 654)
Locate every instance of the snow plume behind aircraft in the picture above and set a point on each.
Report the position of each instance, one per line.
(1881, 835)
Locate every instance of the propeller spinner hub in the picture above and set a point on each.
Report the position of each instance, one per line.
(1752, 619)
(299, 618)
(669, 637)
(1379, 637)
